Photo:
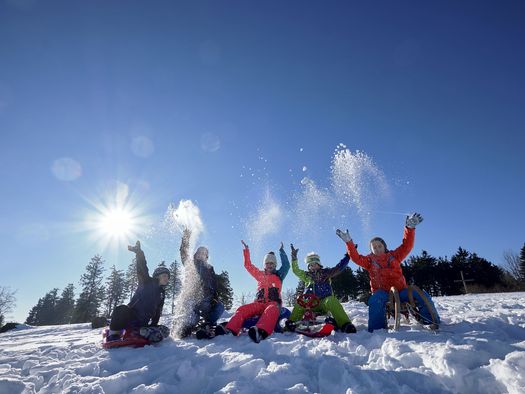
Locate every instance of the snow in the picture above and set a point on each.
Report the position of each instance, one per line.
(479, 349)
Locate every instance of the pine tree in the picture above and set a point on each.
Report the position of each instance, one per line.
(65, 305)
(132, 281)
(44, 313)
(224, 290)
(32, 318)
(115, 289)
(522, 263)
(174, 285)
(421, 271)
(92, 294)
(363, 285)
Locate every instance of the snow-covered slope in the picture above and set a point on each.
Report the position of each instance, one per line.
(480, 349)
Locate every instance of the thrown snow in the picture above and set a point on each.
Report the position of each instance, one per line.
(480, 349)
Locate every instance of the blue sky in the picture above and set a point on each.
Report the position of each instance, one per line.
(232, 104)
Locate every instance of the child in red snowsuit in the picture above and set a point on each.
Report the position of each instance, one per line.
(268, 302)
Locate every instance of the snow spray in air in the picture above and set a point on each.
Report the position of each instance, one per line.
(177, 219)
(357, 182)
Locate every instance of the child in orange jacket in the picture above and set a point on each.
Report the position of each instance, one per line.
(384, 267)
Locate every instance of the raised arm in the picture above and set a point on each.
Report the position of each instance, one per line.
(185, 246)
(403, 250)
(295, 266)
(339, 267)
(285, 263)
(248, 263)
(141, 264)
(352, 251)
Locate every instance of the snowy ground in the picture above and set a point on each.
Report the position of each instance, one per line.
(480, 349)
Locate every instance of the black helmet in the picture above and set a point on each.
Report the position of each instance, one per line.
(160, 270)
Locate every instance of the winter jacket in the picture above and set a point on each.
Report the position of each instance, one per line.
(319, 282)
(385, 269)
(268, 284)
(148, 300)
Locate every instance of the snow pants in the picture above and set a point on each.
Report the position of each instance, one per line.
(328, 304)
(207, 311)
(284, 314)
(268, 312)
(377, 308)
(123, 317)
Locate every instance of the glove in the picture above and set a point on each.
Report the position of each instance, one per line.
(345, 236)
(135, 248)
(294, 252)
(413, 220)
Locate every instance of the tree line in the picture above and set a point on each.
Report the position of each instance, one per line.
(99, 296)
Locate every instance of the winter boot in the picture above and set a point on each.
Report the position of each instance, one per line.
(257, 334)
(290, 325)
(221, 330)
(205, 332)
(113, 335)
(152, 334)
(348, 328)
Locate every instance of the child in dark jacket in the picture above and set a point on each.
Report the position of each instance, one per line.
(145, 308)
(201, 295)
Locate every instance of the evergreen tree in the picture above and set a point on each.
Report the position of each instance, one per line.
(115, 289)
(421, 270)
(44, 313)
(362, 285)
(88, 303)
(522, 264)
(65, 305)
(32, 318)
(224, 291)
(174, 285)
(345, 285)
(132, 281)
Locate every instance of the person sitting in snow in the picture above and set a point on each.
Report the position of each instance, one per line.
(268, 302)
(202, 295)
(317, 281)
(145, 308)
(384, 267)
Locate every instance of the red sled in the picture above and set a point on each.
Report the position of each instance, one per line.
(316, 332)
(131, 338)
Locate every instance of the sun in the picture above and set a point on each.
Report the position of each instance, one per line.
(117, 222)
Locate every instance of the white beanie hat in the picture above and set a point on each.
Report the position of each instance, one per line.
(312, 258)
(270, 258)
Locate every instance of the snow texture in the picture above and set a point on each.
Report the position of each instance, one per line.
(479, 349)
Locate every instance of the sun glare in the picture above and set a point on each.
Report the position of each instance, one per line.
(116, 222)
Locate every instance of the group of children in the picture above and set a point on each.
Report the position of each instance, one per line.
(382, 264)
